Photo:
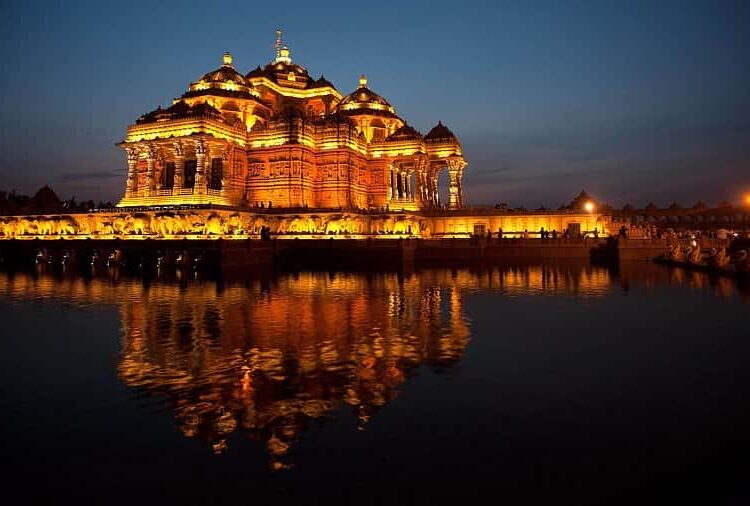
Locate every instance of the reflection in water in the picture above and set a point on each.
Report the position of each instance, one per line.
(270, 356)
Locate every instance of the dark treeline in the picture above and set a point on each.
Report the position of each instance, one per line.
(45, 201)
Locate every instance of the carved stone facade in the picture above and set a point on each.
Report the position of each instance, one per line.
(277, 137)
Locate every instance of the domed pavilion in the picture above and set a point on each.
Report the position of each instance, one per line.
(278, 136)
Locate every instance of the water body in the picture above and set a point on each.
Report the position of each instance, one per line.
(555, 383)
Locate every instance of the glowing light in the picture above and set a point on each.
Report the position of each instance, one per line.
(589, 206)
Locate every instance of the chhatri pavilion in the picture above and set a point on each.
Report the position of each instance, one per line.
(277, 137)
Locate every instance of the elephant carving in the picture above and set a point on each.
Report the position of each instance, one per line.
(214, 225)
(65, 225)
(234, 224)
(140, 224)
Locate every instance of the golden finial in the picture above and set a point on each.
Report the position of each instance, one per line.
(363, 81)
(278, 42)
(227, 59)
(282, 51)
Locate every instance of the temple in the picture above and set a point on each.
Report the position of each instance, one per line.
(277, 137)
(275, 151)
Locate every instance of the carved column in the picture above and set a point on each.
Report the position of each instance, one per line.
(226, 167)
(407, 184)
(179, 167)
(390, 182)
(435, 192)
(150, 178)
(420, 180)
(201, 150)
(455, 171)
(131, 187)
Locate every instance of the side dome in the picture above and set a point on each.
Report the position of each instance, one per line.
(224, 78)
(405, 133)
(440, 132)
(365, 101)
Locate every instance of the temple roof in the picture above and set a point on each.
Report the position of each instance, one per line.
(224, 81)
(405, 133)
(179, 110)
(225, 74)
(365, 101)
(321, 83)
(439, 132)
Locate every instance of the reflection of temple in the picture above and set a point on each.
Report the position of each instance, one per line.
(268, 357)
(278, 136)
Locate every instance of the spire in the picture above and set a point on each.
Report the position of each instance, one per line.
(282, 51)
(227, 59)
(363, 81)
(278, 43)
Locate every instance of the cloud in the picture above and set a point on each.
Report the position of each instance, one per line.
(73, 177)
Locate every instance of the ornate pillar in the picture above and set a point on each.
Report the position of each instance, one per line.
(131, 188)
(455, 171)
(179, 167)
(435, 193)
(201, 150)
(150, 177)
(407, 184)
(420, 180)
(390, 182)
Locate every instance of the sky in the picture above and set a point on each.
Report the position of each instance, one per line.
(635, 102)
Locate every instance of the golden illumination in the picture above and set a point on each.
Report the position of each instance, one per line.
(589, 206)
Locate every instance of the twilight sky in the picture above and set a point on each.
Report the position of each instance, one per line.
(633, 101)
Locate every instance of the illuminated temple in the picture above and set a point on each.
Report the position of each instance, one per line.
(276, 150)
(277, 137)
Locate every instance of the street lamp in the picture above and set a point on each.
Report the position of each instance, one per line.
(589, 207)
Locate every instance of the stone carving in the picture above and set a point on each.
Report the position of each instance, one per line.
(214, 225)
(139, 224)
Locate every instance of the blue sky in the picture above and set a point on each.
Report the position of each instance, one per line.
(633, 101)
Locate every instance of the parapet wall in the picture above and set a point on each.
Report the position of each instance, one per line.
(242, 224)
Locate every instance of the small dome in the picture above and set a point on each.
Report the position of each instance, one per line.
(322, 83)
(405, 133)
(440, 132)
(365, 101)
(225, 77)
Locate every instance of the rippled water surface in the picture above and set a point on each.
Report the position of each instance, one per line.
(555, 383)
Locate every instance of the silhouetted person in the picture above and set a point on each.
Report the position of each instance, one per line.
(554, 234)
(500, 232)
